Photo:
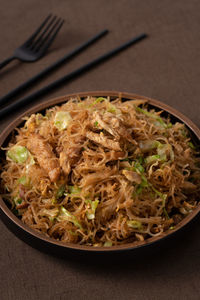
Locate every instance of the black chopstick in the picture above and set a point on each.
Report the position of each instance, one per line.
(51, 68)
(69, 76)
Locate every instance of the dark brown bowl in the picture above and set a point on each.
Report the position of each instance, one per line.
(42, 242)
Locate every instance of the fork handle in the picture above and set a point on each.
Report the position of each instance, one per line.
(6, 61)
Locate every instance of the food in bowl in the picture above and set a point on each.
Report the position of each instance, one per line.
(100, 172)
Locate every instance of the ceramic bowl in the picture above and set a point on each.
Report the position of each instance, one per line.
(42, 242)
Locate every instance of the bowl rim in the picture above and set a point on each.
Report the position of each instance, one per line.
(60, 100)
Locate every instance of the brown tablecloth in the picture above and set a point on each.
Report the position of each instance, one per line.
(165, 66)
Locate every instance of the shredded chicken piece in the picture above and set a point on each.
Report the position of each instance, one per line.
(71, 154)
(114, 155)
(96, 177)
(187, 185)
(64, 163)
(68, 159)
(103, 140)
(44, 155)
(118, 127)
(132, 176)
(103, 125)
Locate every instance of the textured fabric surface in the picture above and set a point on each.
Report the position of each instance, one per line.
(165, 66)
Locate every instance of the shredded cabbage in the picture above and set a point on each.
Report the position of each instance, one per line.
(62, 120)
(92, 208)
(134, 224)
(65, 215)
(18, 154)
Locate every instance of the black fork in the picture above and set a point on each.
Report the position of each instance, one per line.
(38, 43)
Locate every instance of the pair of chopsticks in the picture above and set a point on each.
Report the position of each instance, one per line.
(19, 103)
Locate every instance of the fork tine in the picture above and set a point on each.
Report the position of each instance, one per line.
(32, 37)
(50, 36)
(49, 33)
(39, 39)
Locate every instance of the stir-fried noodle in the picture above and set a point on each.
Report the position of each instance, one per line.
(101, 173)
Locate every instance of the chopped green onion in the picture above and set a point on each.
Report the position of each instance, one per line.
(62, 120)
(159, 122)
(96, 124)
(191, 145)
(161, 150)
(111, 108)
(125, 159)
(138, 167)
(74, 189)
(134, 224)
(183, 132)
(140, 160)
(161, 195)
(139, 189)
(107, 244)
(171, 227)
(96, 101)
(18, 154)
(140, 170)
(142, 185)
(24, 180)
(144, 182)
(60, 192)
(65, 215)
(152, 158)
(99, 99)
(144, 111)
(53, 200)
(166, 213)
(17, 200)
